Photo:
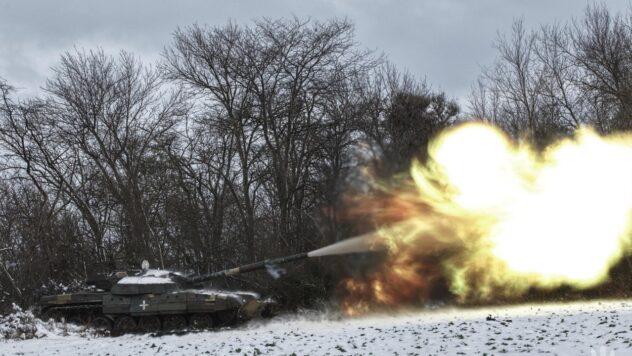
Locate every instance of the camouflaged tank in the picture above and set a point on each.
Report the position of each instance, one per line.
(152, 300)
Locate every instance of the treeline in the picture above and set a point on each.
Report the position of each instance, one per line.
(238, 145)
(547, 82)
(241, 142)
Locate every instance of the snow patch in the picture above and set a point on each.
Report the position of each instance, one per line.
(22, 325)
(583, 328)
(18, 325)
(145, 280)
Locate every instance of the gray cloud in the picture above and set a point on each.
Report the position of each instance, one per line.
(444, 41)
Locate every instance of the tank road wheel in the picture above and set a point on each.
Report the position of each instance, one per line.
(226, 317)
(200, 321)
(101, 323)
(174, 322)
(125, 324)
(149, 323)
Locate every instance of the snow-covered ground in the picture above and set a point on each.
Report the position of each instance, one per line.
(599, 328)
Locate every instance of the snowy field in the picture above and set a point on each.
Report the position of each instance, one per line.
(599, 328)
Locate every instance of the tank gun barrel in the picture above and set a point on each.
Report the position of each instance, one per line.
(248, 268)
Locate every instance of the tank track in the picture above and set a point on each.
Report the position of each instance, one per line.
(80, 314)
(85, 314)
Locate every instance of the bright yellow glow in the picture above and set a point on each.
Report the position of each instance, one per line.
(495, 218)
(558, 218)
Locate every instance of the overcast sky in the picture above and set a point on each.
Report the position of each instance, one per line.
(445, 41)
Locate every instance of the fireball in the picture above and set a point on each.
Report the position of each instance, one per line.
(492, 218)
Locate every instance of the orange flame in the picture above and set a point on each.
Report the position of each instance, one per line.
(489, 218)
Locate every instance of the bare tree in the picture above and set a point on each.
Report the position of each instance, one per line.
(547, 83)
(92, 138)
(203, 166)
(269, 84)
(209, 62)
(602, 50)
(511, 90)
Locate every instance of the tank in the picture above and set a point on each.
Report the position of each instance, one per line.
(153, 300)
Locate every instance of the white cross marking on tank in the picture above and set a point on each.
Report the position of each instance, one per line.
(143, 305)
